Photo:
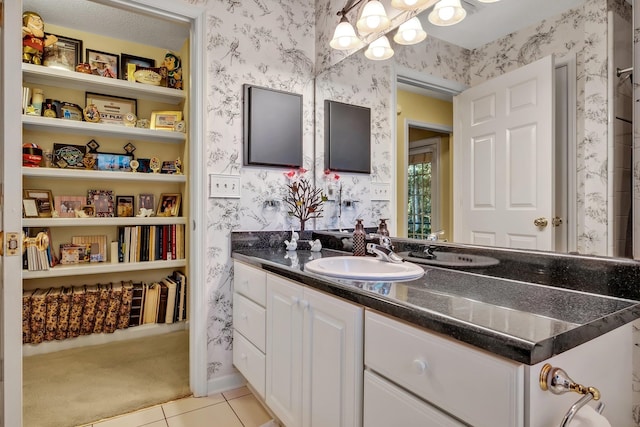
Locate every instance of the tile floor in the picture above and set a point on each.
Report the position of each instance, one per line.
(234, 408)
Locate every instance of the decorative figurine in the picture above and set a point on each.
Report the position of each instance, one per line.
(80, 213)
(315, 246)
(174, 70)
(291, 245)
(33, 38)
(178, 165)
(89, 161)
(145, 212)
(154, 164)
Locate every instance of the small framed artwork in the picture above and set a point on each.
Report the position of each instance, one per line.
(89, 210)
(114, 162)
(29, 208)
(169, 204)
(44, 201)
(103, 64)
(165, 120)
(66, 206)
(146, 201)
(102, 201)
(169, 167)
(124, 205)
(111, 108)
(126, 59)
(64, 54)
(69, 156)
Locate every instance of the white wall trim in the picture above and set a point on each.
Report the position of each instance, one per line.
(226, 382)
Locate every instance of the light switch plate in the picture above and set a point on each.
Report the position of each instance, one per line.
(224, 186)
(380, 191)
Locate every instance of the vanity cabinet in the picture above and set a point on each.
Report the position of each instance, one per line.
(249, 318)
(314, 356)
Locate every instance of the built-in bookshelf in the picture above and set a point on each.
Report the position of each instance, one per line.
(165, 144)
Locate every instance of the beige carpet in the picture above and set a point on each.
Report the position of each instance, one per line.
(78, 386)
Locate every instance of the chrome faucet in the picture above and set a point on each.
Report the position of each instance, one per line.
(383, 240)
(383, 253)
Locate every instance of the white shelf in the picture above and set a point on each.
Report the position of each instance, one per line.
(48, 124)
(101, 268)
(56, 173)
(102, 222)
(40, 75)
(147, 330)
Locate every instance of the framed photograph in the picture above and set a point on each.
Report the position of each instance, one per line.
(144, 165)
(165, 120)
(111, 108)
(114, 162)
(169, 204)
(126, 59)
(146, 201)
(169, 167)
(29, 208)
(66, 206)
(89, 210)
(44, 201)
(103, 64)
(69, 156)
(124, 205)
(102, 201)
(64, 54)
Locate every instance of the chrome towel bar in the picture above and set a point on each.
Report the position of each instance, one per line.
(557, 381)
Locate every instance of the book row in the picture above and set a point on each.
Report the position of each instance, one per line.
(67, 312)
(150, 243)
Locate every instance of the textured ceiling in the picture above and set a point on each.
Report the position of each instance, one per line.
(81, 14)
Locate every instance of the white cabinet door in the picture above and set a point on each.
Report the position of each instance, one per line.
(284, 350)
(314, 357)
(332, 354)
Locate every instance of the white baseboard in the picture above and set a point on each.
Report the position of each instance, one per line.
(225, 383)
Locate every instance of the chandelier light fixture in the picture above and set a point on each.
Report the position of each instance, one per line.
(344, 37)
(373, 18)
(447, 12)
(410, 32)
(409, 4)
(379, 49)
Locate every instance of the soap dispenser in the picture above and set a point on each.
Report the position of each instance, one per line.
(382, 228)
(359, 239)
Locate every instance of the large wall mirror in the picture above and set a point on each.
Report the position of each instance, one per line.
(413, 122)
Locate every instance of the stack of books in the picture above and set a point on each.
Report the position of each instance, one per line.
(150, 243)
(67, 312)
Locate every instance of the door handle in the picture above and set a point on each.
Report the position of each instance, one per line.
(556, 221)
(541, 222)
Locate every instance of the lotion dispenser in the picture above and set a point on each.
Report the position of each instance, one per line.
(359, 239)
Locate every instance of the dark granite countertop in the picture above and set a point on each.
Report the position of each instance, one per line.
(523, 321)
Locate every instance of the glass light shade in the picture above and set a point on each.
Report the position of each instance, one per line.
(408, 4)
(379, 49)
(344, 37)
(374, 18)
(447, 12)
(410, 32)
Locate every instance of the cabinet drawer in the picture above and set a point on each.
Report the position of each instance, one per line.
(250, 282)
(479, 388)
(250, 319)
(387, 405)
(250, 362)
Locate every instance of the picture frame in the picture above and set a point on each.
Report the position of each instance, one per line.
(165, 120)
(29, 208)
(64, 54)
(89, 210)
(169, 204)
(146, 201)
(104, 64)
(126, 59)
(114, 162)
(144, 165)
(111, 108)
(102, 201)
(69, 156)
(124, 205)
(66, 206)
(44, 201)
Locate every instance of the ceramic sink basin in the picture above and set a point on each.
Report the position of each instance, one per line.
(364, 268)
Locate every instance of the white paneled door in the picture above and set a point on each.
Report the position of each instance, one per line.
(504, 143)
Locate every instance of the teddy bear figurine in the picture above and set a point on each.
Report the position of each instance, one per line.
(33, 38)
(174, 70)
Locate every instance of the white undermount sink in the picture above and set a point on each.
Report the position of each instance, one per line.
(364, 268)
